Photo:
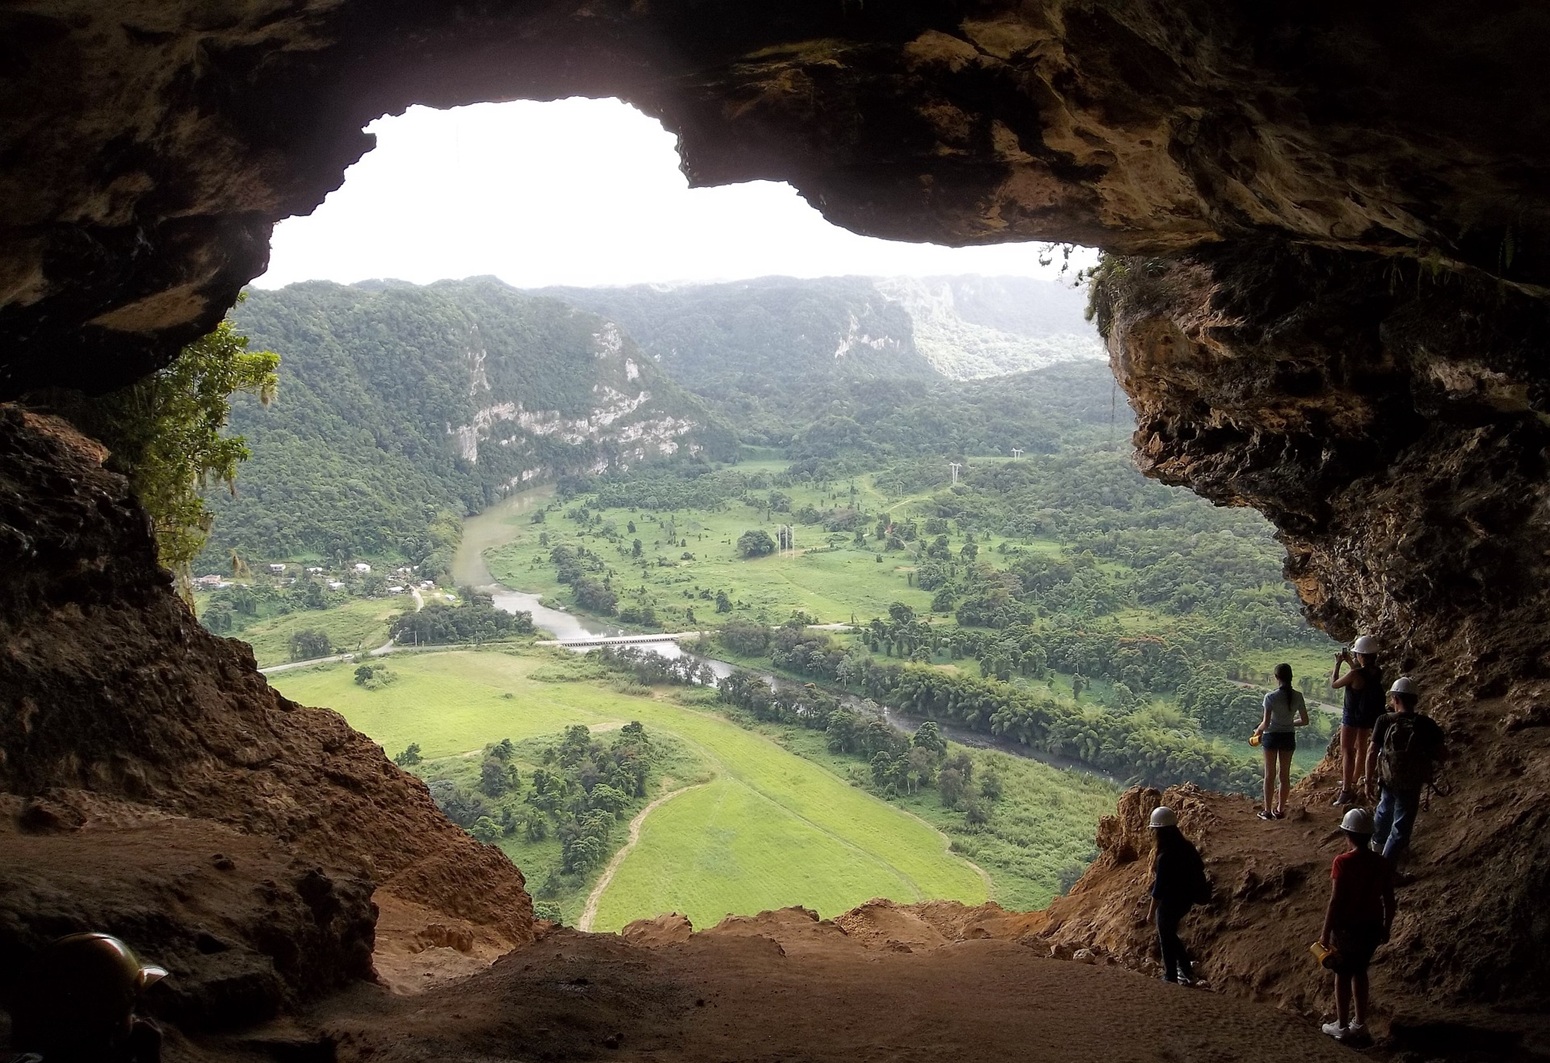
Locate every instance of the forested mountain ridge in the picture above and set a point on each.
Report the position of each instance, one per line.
(399, 402)
(975, 327)
(777, 353)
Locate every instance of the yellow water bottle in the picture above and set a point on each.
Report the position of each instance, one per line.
(1254, 739)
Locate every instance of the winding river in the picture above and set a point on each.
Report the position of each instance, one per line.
(493, 528)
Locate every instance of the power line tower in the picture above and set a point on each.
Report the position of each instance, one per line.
(954, 466)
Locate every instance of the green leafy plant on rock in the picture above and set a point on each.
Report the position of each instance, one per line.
(165, 433)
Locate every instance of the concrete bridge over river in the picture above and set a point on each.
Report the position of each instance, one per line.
(617, 640)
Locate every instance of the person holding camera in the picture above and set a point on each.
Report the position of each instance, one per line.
(1363, 686)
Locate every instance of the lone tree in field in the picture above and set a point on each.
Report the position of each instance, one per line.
(755, 543)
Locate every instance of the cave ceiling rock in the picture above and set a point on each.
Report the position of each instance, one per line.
(151, 147)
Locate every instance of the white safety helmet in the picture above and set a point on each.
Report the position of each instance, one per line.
(1162, 816)
(1357, 821)
(1365, 644)
(1404, 685)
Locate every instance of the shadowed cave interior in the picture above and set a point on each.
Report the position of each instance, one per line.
(1329, 303)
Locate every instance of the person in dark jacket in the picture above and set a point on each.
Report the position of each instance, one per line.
(1178, 884)
(1406, 748)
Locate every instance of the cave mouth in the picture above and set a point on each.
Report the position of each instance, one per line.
(586, 193)
(1339, 322)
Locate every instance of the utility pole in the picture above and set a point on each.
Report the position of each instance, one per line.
(954, 466)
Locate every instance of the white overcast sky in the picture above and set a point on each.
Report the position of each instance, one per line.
(580, 192)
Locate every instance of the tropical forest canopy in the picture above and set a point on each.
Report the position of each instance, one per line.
(747, 461)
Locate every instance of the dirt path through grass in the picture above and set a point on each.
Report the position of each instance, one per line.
(590, 912)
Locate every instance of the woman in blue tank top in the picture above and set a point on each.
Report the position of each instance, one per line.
(1363, 686)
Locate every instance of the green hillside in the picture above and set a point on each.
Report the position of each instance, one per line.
(398, 403)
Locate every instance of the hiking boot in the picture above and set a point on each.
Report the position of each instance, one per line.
(1335, 1030)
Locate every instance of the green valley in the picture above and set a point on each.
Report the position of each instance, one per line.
(767, 829)
(899, 546)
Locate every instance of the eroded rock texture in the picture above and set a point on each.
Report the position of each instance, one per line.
(1391, 419)
(1335, 314)
(149, 147)
(153, 784)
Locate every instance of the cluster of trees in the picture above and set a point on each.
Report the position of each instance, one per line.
(475, 619)
(1135, 746)
(898, 763)
(1141, 662)
(578, 792)
(374, 675)
(650, 668)
(233, 608)
(589, 578)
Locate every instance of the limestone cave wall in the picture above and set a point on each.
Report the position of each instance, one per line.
(1331, 306)
(150, 147)
(153, 785)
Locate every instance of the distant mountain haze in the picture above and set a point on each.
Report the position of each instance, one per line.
(849, 328)
(974, 327)
(403, 406)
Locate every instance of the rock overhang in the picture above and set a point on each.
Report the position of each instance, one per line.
(1338, 215)
(150, 149)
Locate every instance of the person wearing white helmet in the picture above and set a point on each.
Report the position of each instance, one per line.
(1363, 686)
(1407, 746)
(1178, 884)
(1357, 920)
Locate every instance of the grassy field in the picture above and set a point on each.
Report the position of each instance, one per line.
(356, 626)
(802, 834)
(1041, 830)
(832, 584)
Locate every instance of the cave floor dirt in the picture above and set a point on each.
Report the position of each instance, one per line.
(788, 991)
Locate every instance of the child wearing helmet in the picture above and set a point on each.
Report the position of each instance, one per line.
(1406, 748)
(1363, 686)
(1356, 922)
(1178, 883)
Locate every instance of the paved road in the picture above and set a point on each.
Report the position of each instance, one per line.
(387, 647)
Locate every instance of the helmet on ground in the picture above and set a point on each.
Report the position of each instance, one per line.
(1357, 821)
(1404, 685)
(79, 995)
(1365, 644)
(1162, 816)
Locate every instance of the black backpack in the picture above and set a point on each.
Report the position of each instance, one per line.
(1407, 760)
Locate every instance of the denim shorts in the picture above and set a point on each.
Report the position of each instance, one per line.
(1278, 740)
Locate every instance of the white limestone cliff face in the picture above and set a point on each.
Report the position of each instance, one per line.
(856, 337)
(608, 425)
